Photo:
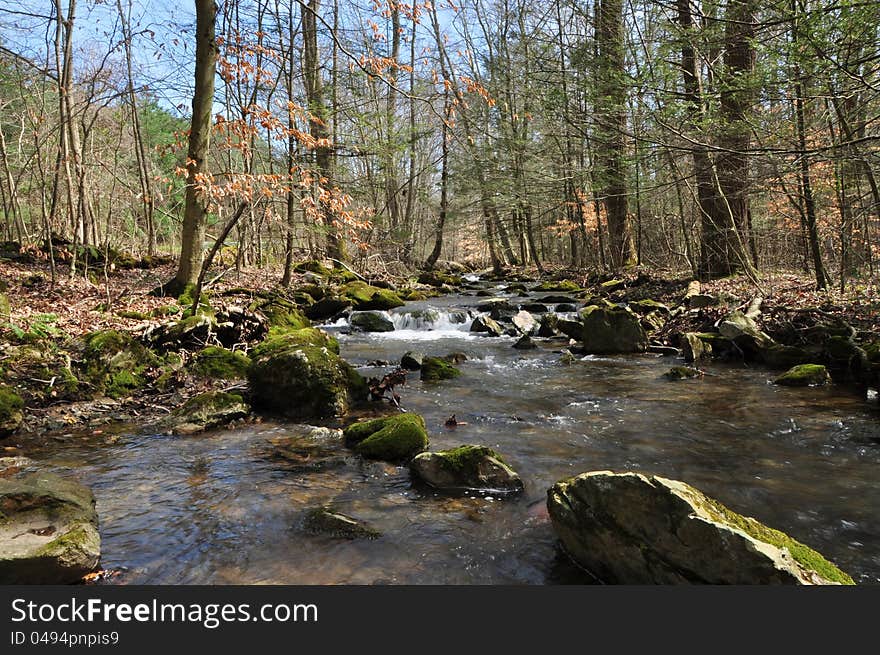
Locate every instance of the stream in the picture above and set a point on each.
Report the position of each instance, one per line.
(213, 509)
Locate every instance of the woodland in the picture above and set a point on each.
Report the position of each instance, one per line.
(208, 208)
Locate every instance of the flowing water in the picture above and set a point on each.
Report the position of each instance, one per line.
(215, 509)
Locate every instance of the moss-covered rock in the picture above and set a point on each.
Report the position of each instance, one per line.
(281, 313)
(11, 415)
(683, 373)
(804, 375)
(435, 368)
(314, 291)
(364, 297)
(327, 308)
(218, 363)
(412, 295)
(566, 286)
(845, 359)
(693, 348)
(782, 357)
(5, 310)
(466, 468)
(298, 375)
(548, 325)
(48, 530)
(437, 279)
(115, 363)
(343, 276)
(630, 528)
(205, 411)
(326, 521)
(412, 361)
(393, 439)
(608, 330)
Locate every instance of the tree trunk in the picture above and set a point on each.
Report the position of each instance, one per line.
(196, 203)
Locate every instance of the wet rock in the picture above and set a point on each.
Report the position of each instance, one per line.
(455, 358)
(466, 468)
(315, 450)
(609, 330)
(646, 307)
(371, 322)
(524, 322)
(547, 326)
(300, 375)
(365, 297)
(486, 293)
(326, 521)
(48, 530)
(485, 325)
(500, 304)
(629, 528)
(436, 368)
(683, 373)
(412, 361)
(392, 439)
(206, 411)
(11, 416)
(571, 329)
(557, 299)
(327, 308)
(738, 327)
(804, 375)
(653, 322)
(525, 343)
(437, 279)
(312, 266)
(535, 307)
(780, 356)
(566, 307)
(845, 359)
(502, 314)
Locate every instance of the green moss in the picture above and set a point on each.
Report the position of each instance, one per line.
(221, 364)
(312, 266)
(363, 296)
(122, 383)
(81, 538)
(187, 298)
(211, 402)
(437, 279)
(165, 310)
(803, 555)
(281, 313)
(465, 459)
(682, 373)
(115, 363)
(872, 350)
(314, 291)
(11, 417)
(560, 285)
(395, 438)
(280, 339)
(435, 368)
(411, 295)
(342, 276)
(325, 520)
(4, 307)
(804, 375)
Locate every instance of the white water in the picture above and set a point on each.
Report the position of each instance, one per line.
(427, 324)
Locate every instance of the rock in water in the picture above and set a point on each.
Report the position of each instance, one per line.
(48, 530)
(323, 520)
(371, 322)
(466, 468)
(205, 411)
(392, 439)
(524, 322)
(525, 343)
(805, 375)
(300, 375)
(412, 361)
(437, 368)
(628, 528)
(486, 325)
(609, 330)
(693, 348)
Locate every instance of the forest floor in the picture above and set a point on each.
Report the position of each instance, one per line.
(64, 311)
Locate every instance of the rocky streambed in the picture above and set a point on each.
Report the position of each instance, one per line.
(282, 502)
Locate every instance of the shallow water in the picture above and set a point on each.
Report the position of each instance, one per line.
(213, 509)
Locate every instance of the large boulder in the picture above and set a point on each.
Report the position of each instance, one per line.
(299, 374)
(48, 530)
(744, 332)
(608, 330)
(466, 468)
(280, 312)
(629, 528)
(393, 439)
(524, 322)
(216, 363)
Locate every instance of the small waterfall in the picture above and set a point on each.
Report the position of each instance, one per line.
(433, 319)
